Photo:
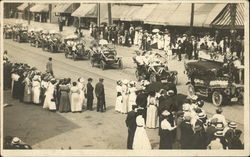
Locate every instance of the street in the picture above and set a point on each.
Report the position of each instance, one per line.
(90, 129)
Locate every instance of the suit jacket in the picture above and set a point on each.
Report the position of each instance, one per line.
(90, 89)
(99, 90)
(49, 67)
(141, 100)
(131, 120)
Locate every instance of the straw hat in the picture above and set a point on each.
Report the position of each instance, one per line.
(232, 125)
(16, 140)
(165, 113)
(218, 133)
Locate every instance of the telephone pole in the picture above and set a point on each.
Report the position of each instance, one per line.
(28, 13)
(98, 15)
(50, 13)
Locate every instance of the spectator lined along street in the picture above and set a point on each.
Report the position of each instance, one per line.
(155, 83)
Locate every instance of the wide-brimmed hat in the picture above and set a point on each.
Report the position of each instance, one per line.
(232, 125)
(15, 140)
(218, 133)
(81, 80)
(165, 113)
(219, 126)
(125, 81)
(200, 103)
(202, 115)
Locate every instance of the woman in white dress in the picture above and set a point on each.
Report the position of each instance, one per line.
(49, 102)
(136, 38)
(75, 98)
(132, 95)
(36, 89)
(152, 116)
(82, 89)
(118, 104)
(125, 93)
(141, 141)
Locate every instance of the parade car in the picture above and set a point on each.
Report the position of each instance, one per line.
(105, 55)
(52, 43)
(213, 80)
(37, 42)
(75, 48)
(156, 73)
(7, 31)
(21, 34)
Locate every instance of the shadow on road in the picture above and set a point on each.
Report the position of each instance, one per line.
(32, 123)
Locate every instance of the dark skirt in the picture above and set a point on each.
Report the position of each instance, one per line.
(166, 139)
(64, 105)
(15, 91)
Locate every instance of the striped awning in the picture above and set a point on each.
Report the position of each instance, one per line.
(86, 10)
(40, 8)
(22, 7)
(128, 14)
(224, 20)
(143, 12)
(161, 14)
(63, 8)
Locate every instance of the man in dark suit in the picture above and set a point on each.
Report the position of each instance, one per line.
(90, 95)
(131, 124)
(100, 95)
(141, 101)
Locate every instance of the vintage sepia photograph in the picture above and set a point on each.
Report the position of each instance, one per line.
(129, 75)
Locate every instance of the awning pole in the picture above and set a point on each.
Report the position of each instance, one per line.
(192, 18)
(109, 14)
(50, 12)
(98, 15)
(28, 13)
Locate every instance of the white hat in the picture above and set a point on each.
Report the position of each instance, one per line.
(81, 80)
(146, 82)
(16, 140)
(125, 81)
(165, 113)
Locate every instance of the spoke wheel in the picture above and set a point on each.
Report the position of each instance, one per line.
(217, 98)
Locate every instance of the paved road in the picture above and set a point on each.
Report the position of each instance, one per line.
(46, 130)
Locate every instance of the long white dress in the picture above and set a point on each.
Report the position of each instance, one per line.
(152, 116)
(75, 99)
(118, 104)
(82, 90)
(141, 141)
(48, 103)
(125, 93)
(14, 77)
(36, 89)
(131, 98)
(136, 38)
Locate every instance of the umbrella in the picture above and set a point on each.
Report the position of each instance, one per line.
(72, 37)
(155, 30)
(103, 42)
(138, 28)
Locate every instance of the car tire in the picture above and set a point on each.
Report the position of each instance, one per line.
(217, 98)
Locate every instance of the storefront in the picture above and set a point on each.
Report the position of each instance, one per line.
(40, 12)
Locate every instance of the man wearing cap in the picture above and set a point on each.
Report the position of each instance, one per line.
(166, 134)
(100, 95)
(186, 133)
(90, 95)
(230, 134)
(131, 124)
(49, 66)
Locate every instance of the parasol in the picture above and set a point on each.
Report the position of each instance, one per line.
(103, 42)
(155, 30)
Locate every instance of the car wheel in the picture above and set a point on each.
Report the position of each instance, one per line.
(152, 78)
(217, 98)
(191, 90)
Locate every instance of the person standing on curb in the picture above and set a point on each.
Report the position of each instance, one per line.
(100, 95)
(49, 68)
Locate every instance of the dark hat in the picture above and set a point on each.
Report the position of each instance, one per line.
(101, 79)
(219, 110)
(90, 79)
(200, 103)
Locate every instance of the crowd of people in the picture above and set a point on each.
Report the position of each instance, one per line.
(171, 43)
(182, 124)
(29, 85)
